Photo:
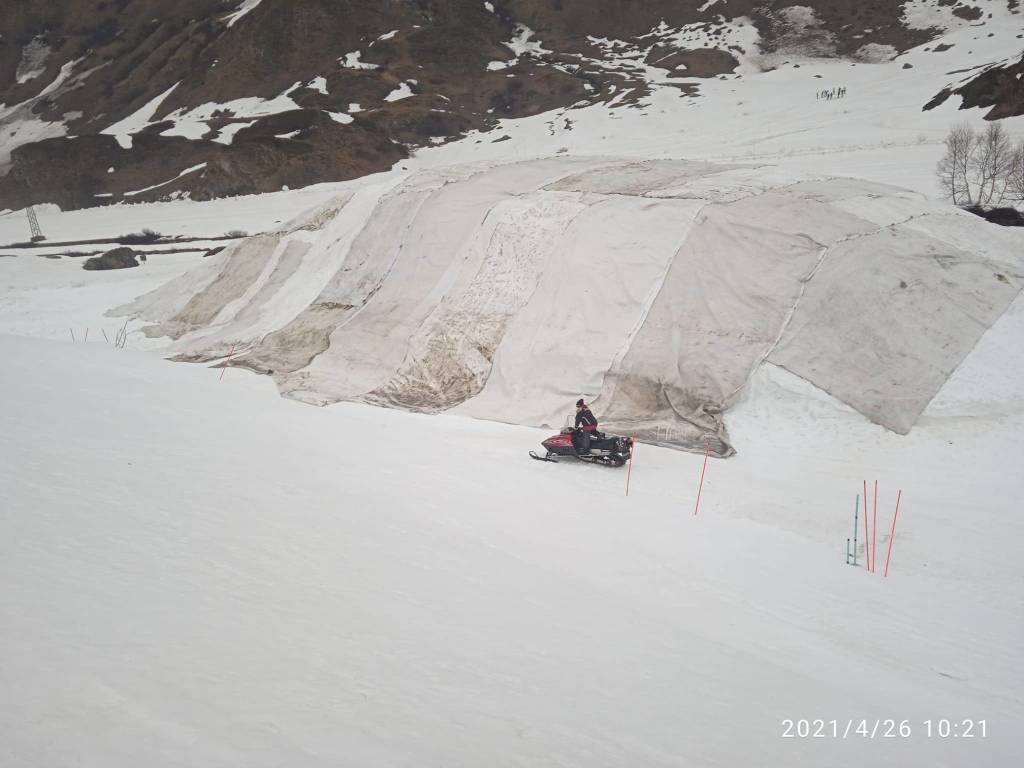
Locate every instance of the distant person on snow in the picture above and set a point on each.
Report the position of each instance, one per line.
(585, 425)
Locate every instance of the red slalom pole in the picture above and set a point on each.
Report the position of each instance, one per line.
(874, 533)
(224, 369)
(892, 534)
(700, 487)
(629, 472)
(867, 533)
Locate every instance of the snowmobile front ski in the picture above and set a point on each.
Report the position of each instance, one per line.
(542, 458)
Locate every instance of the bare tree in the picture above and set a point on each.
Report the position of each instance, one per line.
(954, 169)
(990, 165)
(1016, 185)
(981, 169)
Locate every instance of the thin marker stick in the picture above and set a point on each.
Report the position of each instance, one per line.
(224, 369)
(629, 470)
(874, 533)
(867, 534)
(892, 534)
(700, 487)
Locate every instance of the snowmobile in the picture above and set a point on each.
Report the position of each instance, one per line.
(605, 449)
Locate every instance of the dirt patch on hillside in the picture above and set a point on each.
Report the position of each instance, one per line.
(700, 62)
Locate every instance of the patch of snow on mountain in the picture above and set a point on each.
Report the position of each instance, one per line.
(188, 129)
(619, 55)
(244, 8)
(187, 171)
(227, 133)
(352, 61)
(192, 123)
(135, 122)
(318, 84)
(33, 61)
(521, 45)
(19, 125)
(341, 117)
(926, 14)
(403, 91)
(385, 36)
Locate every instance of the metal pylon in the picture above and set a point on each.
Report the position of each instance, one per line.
(33, 222)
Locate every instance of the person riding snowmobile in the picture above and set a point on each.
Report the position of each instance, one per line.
(586, 424)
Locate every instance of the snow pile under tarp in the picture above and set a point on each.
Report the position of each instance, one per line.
(655, 288)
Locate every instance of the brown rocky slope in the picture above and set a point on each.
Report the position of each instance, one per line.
(293, 63)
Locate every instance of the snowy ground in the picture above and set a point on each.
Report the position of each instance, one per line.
(251, 214)
(53, 298)
(194, 571)
(368, 587)
(198, 572)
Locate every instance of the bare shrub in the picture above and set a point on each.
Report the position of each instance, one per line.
(145, 236)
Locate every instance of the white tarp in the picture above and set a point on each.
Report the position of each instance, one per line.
(654, 287)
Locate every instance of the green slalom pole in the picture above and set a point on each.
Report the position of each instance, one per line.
(856, 514)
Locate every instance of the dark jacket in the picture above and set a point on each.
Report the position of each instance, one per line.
(585, 419)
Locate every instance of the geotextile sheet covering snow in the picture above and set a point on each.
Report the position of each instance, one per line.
(653, 288)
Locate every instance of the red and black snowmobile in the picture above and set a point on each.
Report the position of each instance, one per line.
(604, 449)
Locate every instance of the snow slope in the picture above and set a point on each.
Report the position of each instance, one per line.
(198, 572)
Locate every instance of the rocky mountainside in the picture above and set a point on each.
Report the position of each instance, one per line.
(999, 87)
(110, 100)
